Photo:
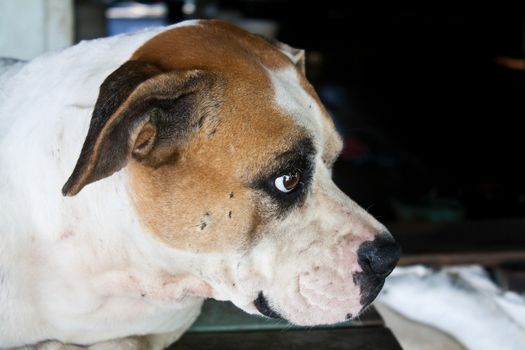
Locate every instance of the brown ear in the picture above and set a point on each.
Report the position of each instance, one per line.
(140, 112)
(297, 56)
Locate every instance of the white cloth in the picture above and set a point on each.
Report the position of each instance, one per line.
(461, 301)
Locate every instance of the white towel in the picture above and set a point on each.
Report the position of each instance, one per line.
(461, 301)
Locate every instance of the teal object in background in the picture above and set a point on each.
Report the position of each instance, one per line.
(218, 316)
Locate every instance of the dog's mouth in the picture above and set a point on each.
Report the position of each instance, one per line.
(261, 303)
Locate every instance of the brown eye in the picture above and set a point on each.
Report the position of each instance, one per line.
(287, 183)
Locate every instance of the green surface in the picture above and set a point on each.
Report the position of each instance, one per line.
(353, 338)
(220, 316)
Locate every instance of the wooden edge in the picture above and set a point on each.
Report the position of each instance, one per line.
(483, 258)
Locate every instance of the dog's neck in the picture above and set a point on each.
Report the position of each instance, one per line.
(92, 256)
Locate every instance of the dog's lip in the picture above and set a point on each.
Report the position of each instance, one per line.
(371, 294)
(261, 303)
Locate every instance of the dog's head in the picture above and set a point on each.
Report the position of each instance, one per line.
(229, 154)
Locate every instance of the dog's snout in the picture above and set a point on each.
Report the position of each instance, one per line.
(379, 256)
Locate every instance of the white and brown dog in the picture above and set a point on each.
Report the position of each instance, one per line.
(208, 158)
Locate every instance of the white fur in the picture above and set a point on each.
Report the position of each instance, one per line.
(296, 102)
(461, 301)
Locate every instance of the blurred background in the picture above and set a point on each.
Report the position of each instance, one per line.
(429, 100)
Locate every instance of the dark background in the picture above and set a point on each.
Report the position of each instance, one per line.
(430, 113)
(432, 123)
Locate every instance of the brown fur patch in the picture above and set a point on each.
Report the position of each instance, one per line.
(211, 45)
(172, 197)
(212, 173)
(213, 170)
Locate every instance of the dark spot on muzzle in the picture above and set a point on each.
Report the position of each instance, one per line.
(264, 308)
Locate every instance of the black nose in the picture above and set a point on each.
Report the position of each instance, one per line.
(379, 256)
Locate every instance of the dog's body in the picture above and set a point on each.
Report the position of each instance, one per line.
(136, 253)
(58, 260)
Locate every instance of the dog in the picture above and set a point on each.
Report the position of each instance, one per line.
(204, 172)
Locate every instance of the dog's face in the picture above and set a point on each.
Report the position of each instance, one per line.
(229, 154)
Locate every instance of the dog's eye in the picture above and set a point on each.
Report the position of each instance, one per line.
(287, 183)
